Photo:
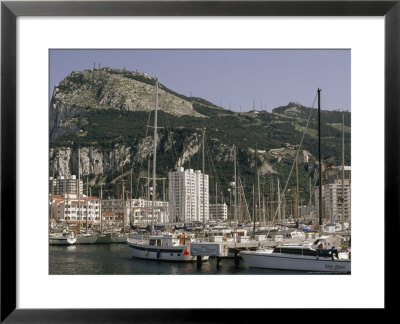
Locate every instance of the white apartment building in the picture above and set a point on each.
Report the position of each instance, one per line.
(186, 195)
(69, 209)
(61, 185)
(219, 211)
(136, 210)
(332, 200)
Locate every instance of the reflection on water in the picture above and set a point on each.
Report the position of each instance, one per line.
(116, 259)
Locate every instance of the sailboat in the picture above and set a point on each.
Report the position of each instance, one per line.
(86, 237)
(65, 238)
(323, 255)
(165, 247)
(103, 237)
(121, 236)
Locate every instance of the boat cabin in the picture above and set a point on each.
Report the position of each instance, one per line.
(328, 242)
(297, 250)
(163, 240)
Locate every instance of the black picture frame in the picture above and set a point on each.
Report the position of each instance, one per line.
(10, 10)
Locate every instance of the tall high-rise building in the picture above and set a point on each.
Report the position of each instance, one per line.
(61, 185)
(186, 196)
(333, 199)
(219, 211)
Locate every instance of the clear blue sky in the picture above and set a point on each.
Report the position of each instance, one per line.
(236, 79)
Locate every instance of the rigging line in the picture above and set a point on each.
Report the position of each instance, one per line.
(174, 149)
(291, 170)
(198, 152)
(215, 168)
(141, 162)
(330, 146)
(245, 200)
(218, 184)
(171, 140)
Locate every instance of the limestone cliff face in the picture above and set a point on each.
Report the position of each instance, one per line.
(63, 119)
(64, 160)
(100, 160)
(97, 160)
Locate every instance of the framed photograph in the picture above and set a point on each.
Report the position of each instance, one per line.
(237, 88)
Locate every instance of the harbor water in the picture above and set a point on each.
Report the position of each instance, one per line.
(116, 259)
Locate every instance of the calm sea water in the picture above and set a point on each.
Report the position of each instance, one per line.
(116, 259)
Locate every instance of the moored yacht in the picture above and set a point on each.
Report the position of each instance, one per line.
(321, 256)
(164, 247)
(86, 238)
(104, 238)
(119, 237)
(65, 238)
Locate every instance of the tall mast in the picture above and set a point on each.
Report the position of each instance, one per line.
(66, 207)
(87, 202)
(130, 203)
(319, 157)
(279, 201)
(216, 193)
(101, 216)
(123, 197)
(342, 170)
(272, 200)
(254, 210)
(79, 189)
(263, 209)
(204, 193)
(163, 195)
(147, 191)
(254, 193)
(296, 194)
(234, 186)
(259, 196)
(52, 193)
(154, 154)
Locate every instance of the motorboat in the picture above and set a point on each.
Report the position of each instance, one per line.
(323, 255)
(163, 247)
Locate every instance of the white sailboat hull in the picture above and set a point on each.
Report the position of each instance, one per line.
(118, 238)
(103, 239)
(62, 240)
(86, 239)
(278, 261)
(161, 253)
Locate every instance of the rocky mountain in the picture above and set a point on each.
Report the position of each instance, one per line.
(105, 113)
(105, 89)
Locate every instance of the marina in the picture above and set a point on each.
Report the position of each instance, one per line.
(116, 259)
(180, 225)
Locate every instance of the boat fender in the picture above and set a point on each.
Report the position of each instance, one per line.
(186, 252)
(147, 252)
(158, 254)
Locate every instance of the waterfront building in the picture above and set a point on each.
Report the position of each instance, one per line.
(69, 209)
(218, 211)
(186, 195)
(136, 211)
(333, 201)
(61, 185)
